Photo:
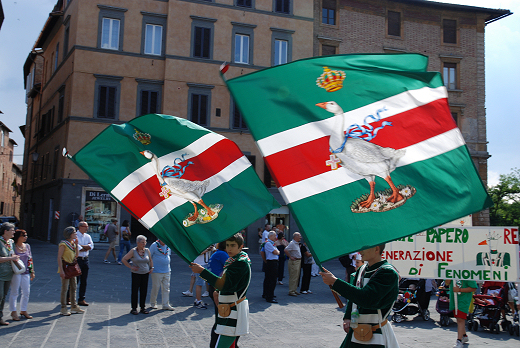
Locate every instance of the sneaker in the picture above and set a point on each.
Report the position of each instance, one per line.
(119, 263)
(106, 261)
(64, 311)
(77, 310)
(187, 293)
(168, 308)
(293, 294)
(200, 305)
(309, 292)
(205, 294)
(280, 283)
(465, 339)
(458, 344)
(304, 292)
(153, 306)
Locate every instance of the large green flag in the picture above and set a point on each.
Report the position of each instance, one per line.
(363, 148)
(189, 186)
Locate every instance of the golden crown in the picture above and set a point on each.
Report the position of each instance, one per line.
(143, 138)
(331, 80)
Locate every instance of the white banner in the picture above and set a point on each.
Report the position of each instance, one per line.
(458, 252)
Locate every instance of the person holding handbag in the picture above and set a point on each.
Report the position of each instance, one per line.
(370, 301)
(142, 266)
(6, 270)
(23, 281)
(68, 253)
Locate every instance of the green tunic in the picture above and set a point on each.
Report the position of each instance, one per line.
(378, 291)
(237, 281)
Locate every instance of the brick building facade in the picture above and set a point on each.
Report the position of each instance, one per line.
(107, 62)
(10, 174)
(452, 36)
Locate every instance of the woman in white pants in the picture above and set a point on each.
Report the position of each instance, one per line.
(23, 281)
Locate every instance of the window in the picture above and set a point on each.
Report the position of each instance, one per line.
(268, 179)
(280, 52)
(110, 34)
(199, 103)
(237, 119)
(61, 104)
(450, 75)
(449, 31)
(242, 49)
(282, 6)
(328, 12)
(66, 41)
(394, 23)
(149, 95)
(153, 35)
(243, 39)
(281, 46)
(55, 161)
(2, 141)
(111, 27)
(202, 43)
(107, 94)
(244, 3)
(199, 109)
(455, 117)
(56, 57)
(328, 50)
(202, 37)
(153, 40)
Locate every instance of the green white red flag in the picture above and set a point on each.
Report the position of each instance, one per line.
(400, 132)
(161, 167)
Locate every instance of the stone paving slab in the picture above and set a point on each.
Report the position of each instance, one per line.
(310, 321)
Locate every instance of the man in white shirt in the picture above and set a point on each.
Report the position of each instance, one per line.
(265, 234)
(271, 267)
(85, 244)
(294, 265)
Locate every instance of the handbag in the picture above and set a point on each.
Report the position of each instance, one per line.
(71, 269)
(224, 309)
(363, 332)
(512, 293)
(18, 266)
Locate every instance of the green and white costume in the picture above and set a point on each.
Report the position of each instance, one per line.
(378, 286)
(238, 276)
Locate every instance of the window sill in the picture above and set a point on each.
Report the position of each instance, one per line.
(455, 90)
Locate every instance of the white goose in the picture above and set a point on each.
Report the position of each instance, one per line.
(362, 157)
(191, 191)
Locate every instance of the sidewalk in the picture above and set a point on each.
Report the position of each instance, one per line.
(310, 321)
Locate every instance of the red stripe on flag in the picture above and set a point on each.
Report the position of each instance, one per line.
(147, 195)
(408, 128)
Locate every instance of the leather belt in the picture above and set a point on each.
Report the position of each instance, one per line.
(375, 327)
(83, 257)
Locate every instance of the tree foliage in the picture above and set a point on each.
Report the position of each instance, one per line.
(506, 199)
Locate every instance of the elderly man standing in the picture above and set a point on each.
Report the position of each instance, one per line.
(265, 234)
(85, 244)
(161, 274)
(294, 254)
(271, 267)
(112, 234)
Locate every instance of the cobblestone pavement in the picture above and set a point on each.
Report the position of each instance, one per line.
(310, 321)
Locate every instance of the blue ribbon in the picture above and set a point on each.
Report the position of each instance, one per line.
(175, 171)
(366, 132)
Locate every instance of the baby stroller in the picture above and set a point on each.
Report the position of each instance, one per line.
(443, 306)
(489, 307)
(407, 302)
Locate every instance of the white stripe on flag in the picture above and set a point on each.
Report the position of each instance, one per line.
(311, 131)
(166, 206)
(142, 174)
(424, 150)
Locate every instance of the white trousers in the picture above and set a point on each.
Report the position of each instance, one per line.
(160, 280)
(20, 281)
